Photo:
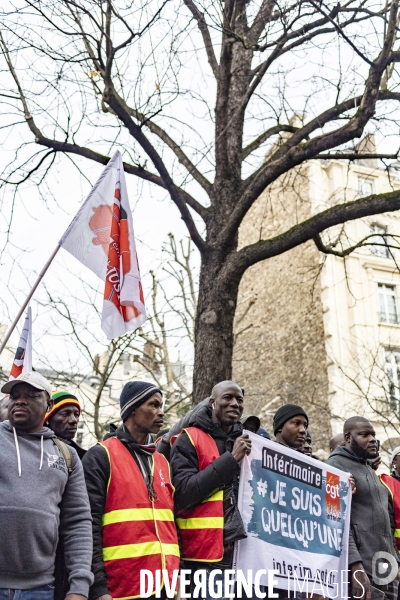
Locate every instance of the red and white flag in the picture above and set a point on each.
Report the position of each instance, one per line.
(23, 356)
(101, 237)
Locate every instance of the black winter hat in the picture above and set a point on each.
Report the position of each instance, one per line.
(133, 395)
(286, 412)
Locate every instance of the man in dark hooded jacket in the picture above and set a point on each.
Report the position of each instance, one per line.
(63, 419)
(371, 524)
(205, 463)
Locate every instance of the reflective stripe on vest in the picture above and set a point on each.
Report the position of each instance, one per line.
(137, 533)
(140, 549)
(394, 488)
(202, 526)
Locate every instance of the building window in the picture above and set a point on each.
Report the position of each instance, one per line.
(379, 237)
(392, 370)
(387, 303)
(365, 186)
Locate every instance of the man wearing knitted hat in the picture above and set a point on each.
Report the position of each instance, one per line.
(290, 426)
(131, 497)
(63, 418)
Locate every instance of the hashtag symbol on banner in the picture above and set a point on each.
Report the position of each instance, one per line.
(262, 487)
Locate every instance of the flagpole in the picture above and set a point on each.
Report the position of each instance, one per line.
(25, 304)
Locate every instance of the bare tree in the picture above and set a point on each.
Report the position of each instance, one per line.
(372, 389)
(180, 308)
(80, 70)
(99, 369)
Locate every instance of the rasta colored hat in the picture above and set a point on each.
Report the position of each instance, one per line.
(134, 394)
(62, 398)
(286, 412)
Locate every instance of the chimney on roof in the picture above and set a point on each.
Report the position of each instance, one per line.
(367, 145)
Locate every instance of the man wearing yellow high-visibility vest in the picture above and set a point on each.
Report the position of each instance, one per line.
(131, 498)
(205, 467)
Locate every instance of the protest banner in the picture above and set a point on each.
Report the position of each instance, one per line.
(296, 513)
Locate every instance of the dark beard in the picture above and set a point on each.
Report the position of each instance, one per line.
(360, 452)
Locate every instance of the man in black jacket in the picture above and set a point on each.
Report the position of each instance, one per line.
(63, 419)
(371, 524)
(220, 420)
(290, 428)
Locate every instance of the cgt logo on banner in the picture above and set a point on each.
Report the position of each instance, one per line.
(296, 512)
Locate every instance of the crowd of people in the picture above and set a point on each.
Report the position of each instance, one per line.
(80, 524)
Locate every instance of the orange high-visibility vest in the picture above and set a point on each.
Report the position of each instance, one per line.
(201, 527)
(138, 533)
(394, 488)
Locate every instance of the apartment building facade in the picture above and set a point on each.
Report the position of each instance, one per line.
(320, 330)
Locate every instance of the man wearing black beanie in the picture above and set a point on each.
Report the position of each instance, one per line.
(131, 497)
(290, 426)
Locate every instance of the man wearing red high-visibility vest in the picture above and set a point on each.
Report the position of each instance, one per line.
(131, 498)
(205, 464)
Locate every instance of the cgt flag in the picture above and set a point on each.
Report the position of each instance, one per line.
(101, 237)
(23, 356)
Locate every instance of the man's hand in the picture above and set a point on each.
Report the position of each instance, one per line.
(360, 584)
(241, 447)
(375, 462)
(77, 597)
(353, 484)
(103, 597)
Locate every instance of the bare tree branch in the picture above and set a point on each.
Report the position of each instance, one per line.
(310, 228)
(355, 156)
(202, 25)
(255, 144)
(329, 249)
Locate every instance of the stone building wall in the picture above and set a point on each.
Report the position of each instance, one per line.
(279, 354)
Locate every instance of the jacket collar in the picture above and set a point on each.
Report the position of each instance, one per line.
(341, 451)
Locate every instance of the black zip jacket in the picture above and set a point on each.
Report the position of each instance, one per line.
(193, 486)
(371, 520)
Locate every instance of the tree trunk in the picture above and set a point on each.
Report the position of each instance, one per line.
(213, 328)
